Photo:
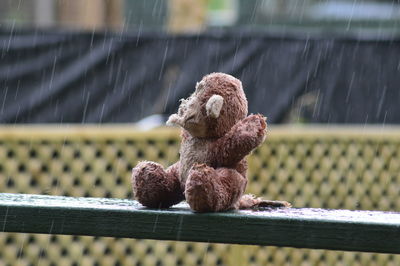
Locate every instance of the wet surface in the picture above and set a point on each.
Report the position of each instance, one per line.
(310, 214)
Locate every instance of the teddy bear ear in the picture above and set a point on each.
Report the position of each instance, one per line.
(214, 105)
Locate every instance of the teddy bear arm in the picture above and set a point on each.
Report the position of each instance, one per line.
(173, 171)
(245, 136)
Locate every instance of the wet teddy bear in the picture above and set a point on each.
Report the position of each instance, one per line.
(217, 135)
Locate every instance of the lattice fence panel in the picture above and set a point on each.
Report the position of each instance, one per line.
(325, 170)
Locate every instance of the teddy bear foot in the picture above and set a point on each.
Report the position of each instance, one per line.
(249, 201)
(155, 188)
(212, 190)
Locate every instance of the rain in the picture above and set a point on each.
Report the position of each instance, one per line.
(87, 86)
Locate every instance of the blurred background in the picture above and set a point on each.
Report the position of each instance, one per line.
(101, 61)
(83, 81)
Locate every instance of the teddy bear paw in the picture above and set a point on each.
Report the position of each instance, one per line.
(151, 185)
(199, 188)
(253, 127)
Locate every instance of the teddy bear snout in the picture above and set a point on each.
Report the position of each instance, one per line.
(190, 118)
(175, 120)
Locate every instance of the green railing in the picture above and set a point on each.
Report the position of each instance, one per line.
(301, 228)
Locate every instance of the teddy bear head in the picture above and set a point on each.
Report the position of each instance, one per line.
(217, 104)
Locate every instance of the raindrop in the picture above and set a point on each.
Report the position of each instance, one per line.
(381, 102)
(5, 220)
(11, 35)
(85, 108)
(102, 112)
(4, 100)
(351, 14)
(139, 32)
(163, 62)
(52, 72)
(350, 87)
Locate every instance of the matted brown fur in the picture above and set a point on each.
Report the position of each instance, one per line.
(211, 172)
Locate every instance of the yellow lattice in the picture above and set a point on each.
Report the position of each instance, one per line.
(356, 168)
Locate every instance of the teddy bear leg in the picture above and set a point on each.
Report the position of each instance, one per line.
(211, 190)
(154, 187)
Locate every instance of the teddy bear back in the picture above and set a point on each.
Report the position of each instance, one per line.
(234, 107)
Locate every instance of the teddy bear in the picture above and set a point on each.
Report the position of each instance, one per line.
(217, 135)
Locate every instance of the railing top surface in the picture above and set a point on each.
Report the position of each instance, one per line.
(130, 130)
(372, 231)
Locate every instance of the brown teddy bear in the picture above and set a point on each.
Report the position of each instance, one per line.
(217, 134)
